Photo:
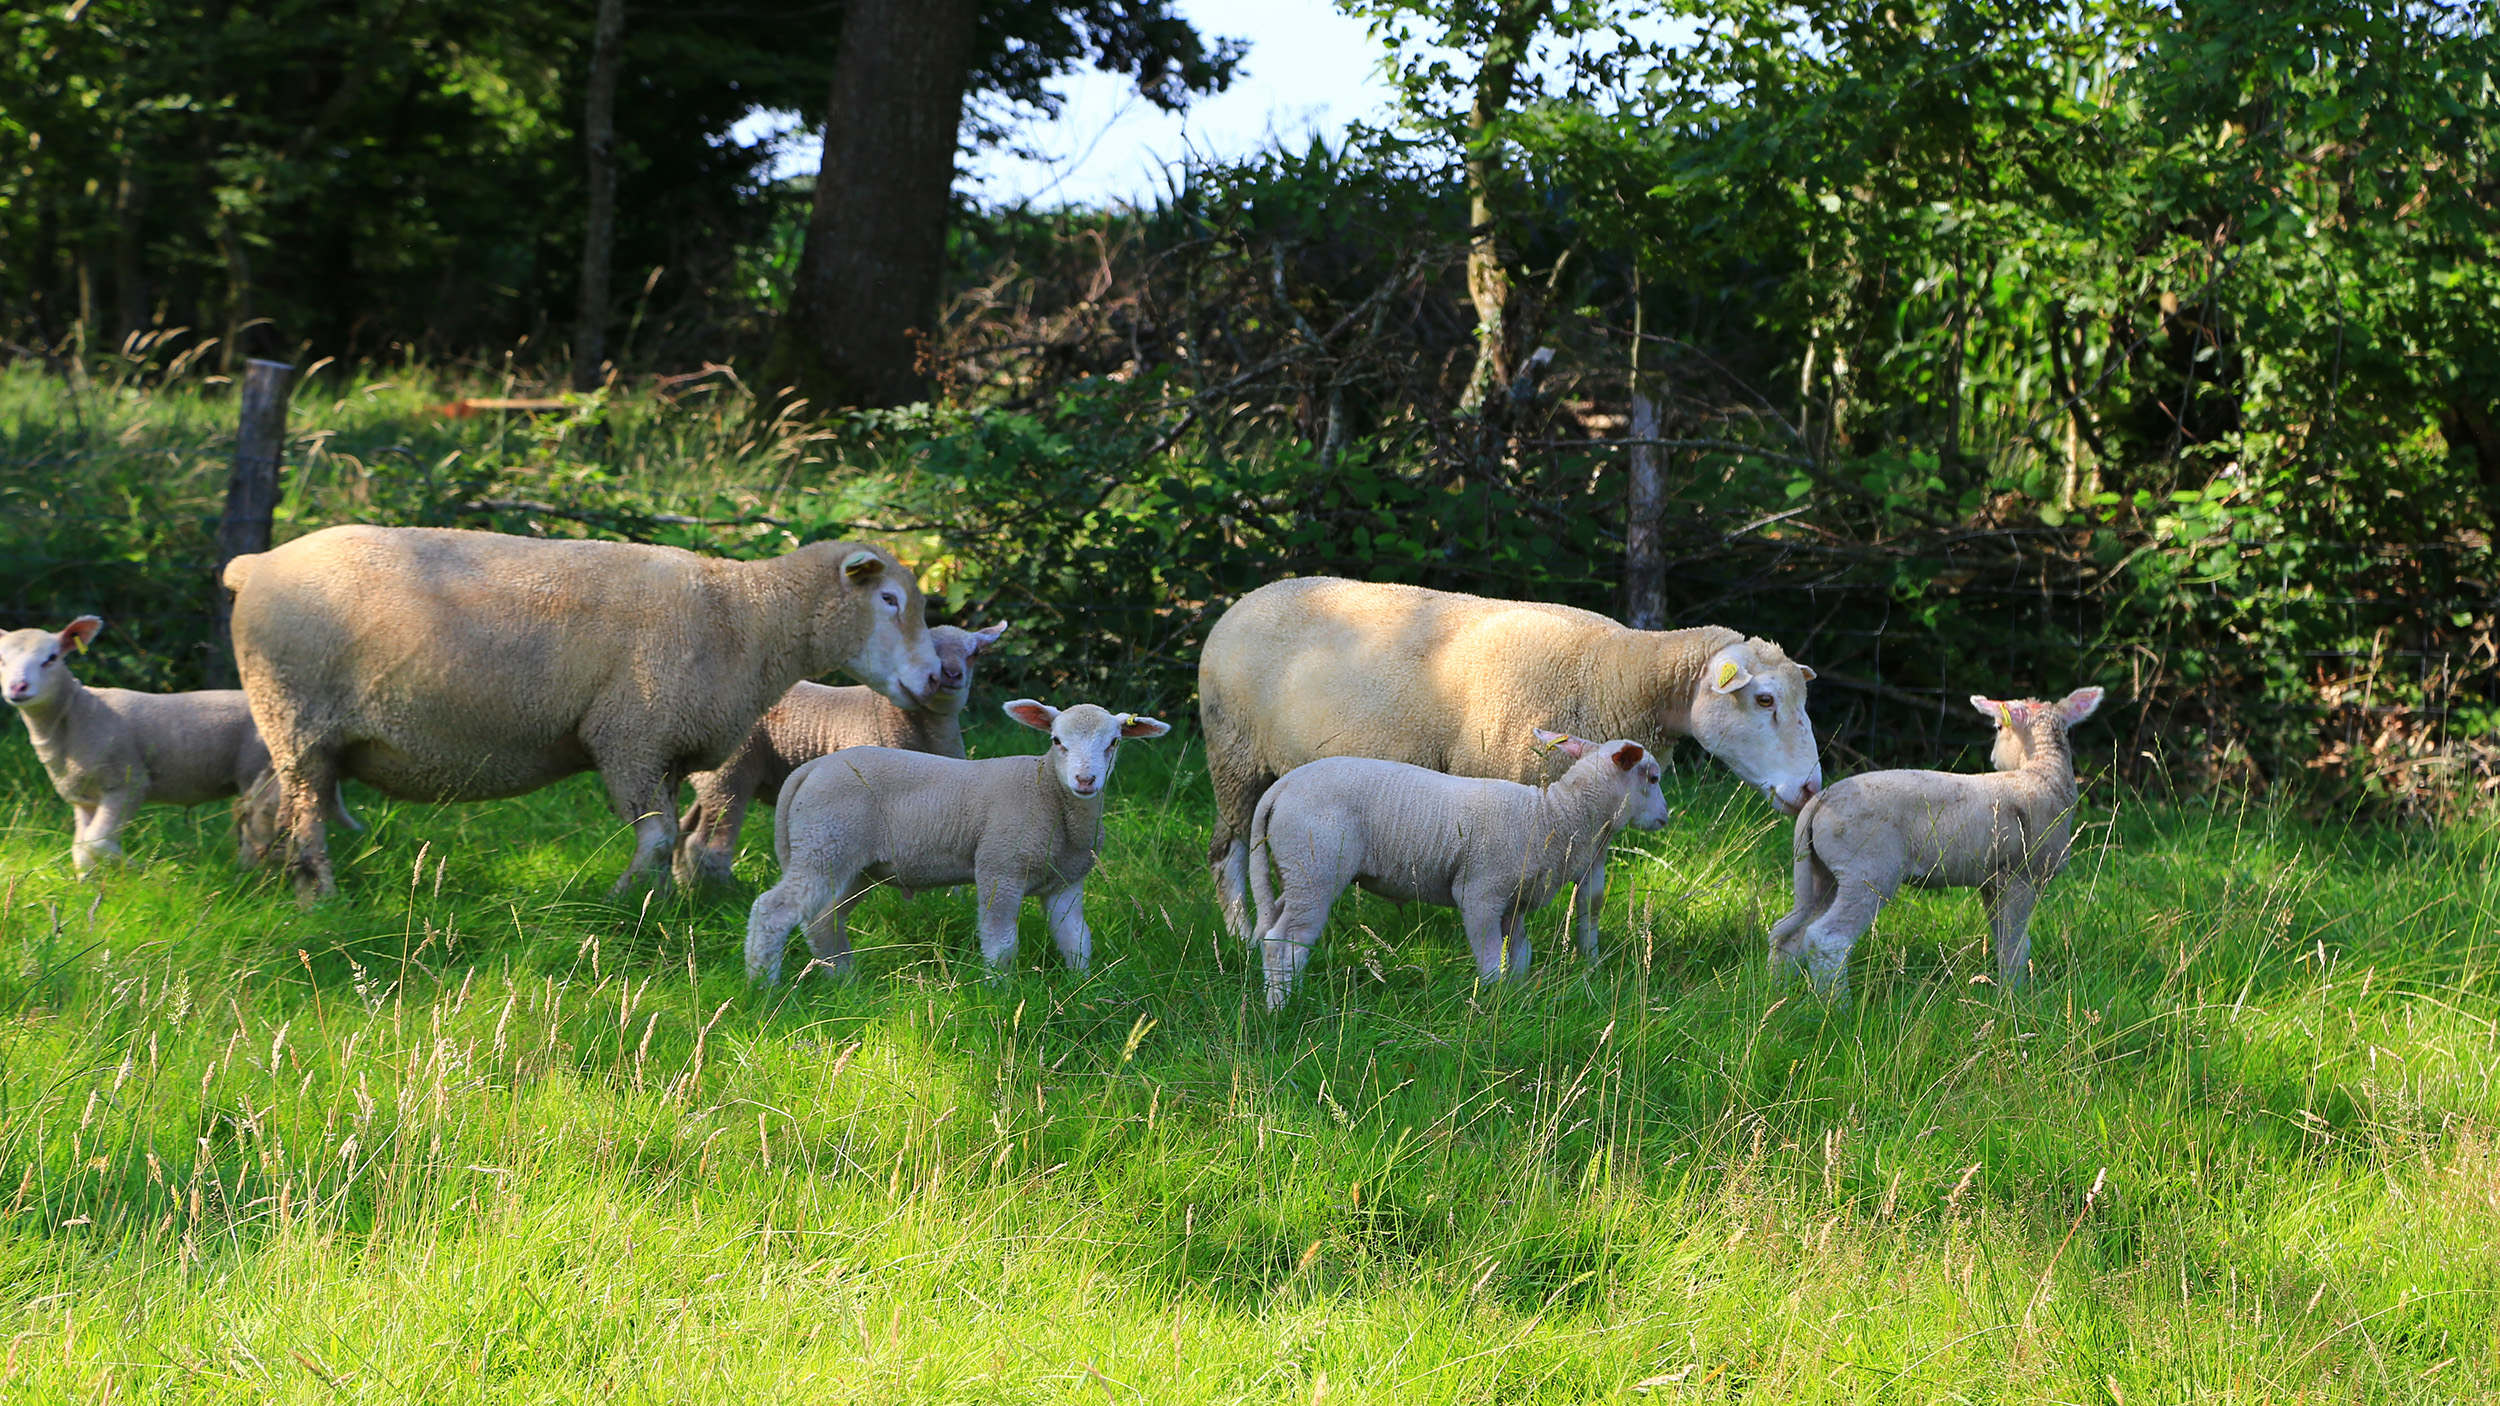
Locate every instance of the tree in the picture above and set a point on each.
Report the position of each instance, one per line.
(590, 324)
(868, 280)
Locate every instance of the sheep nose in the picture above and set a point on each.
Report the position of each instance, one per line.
(952, 676)
(1806, 792)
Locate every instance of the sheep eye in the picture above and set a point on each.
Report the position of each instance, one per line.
(1764, 700)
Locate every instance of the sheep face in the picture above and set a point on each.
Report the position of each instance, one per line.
(2017, 719)
(951, 685)
(898, 659)
(1084, 740)
(34, 666)
(1645, 808)
(1750, 712)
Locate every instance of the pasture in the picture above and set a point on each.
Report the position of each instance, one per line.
(473, 1134)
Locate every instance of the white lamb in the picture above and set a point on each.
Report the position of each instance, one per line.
(809, 721)
(111, 750)
(1010, 826)
(1494, 850)
(2005, 834)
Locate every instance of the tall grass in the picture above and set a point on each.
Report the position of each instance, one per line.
(473, 1134)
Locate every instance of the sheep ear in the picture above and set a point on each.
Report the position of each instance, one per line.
(983, 639)
(1727, 676)
(1132, 725)
(1807, 671)
(79, 631)
(2080, 704)
(1563, 742)
(1034, 715)
(2017, 715)
(1629, 756)
(1985, 706)
(862, 565)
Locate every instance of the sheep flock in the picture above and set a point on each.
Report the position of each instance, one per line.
(1428, 746)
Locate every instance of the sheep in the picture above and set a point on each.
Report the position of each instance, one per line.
(2006, 834)
(809, 721)
(444, 665)
(1320, 667)
(111, 750)
(1494, 850)
(1010, 826)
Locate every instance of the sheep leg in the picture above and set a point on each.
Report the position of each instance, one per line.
(1813, 888)
(2010, 901)
(707, 852)
(999, 901)
(1231, 862)
(1285, 947)
(92, 840)
(1066, 912)
(306, 777)
(829, 932)
(1588, 896)
(801, 894)
(644, 799)
(1515, 934)
(1825, 944)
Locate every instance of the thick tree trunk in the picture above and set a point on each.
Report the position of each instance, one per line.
(875, 259)
(590, 323)
(1488, 269)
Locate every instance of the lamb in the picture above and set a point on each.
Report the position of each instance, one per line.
(1010, 826)
(1494, 850)
(809, 721)
(1320, 667)
(2006, 834)
(446, 665)
(111, 750)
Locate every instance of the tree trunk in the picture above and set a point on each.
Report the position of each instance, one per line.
(251, 490)
(590, 324)
(867, 290)
(1488, 271)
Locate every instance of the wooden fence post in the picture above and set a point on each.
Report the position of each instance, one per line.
(251, 490)
(1644, 551)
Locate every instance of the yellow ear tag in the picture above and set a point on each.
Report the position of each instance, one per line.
(2006, 712)
(1727, 672)
(81, 642)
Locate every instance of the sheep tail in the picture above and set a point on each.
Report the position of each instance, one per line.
(1801, 845)
(1262, 876)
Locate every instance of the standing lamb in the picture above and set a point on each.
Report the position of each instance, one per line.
(444, 665)
(809, 721)
(1494, 850)
(2005, 834)
(1322, 667)
(1010, 826)
(111, 750)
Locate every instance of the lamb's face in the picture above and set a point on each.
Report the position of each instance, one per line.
(1645, 808)
(1084, 740)
(34, 664)
(951, 685)
(1750, 712)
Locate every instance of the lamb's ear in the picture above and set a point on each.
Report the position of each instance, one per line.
(1038, 716)
(1727, 676)
(862, 566)
(1629, 756)
(78, 632)
(2080, 704)
(983, 639)
(1807, 671)
(1563, 742)
(1132, 725)
(1987, 707)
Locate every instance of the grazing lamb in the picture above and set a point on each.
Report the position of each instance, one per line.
(809, 721)
(1494, 850)
(1322, 667)
(1010, 826)
(111, 750)
(444, 665)
(2005, 834)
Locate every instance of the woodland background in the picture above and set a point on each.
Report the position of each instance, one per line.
(1962, 347)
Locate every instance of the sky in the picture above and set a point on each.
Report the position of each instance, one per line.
(1309, 69)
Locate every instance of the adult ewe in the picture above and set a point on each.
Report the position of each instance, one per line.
(1322, 667)
(441, 665)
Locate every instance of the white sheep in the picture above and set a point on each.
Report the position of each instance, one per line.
(442, 665)
(1009, 826)
(111, 750)
(809, 721)
(1494, 850)
(2005, 834)
(1322, 667)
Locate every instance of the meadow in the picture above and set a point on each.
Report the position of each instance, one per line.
(474, 1133)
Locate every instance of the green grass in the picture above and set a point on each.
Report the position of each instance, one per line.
(473, 1134)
